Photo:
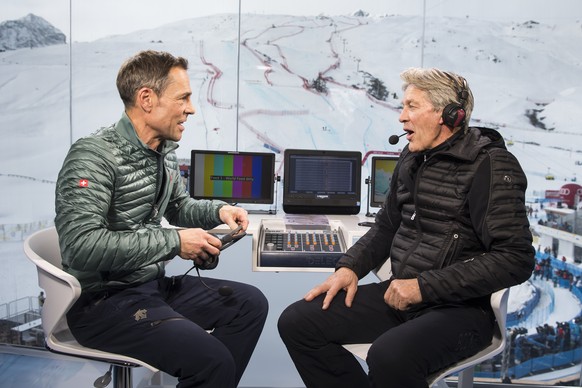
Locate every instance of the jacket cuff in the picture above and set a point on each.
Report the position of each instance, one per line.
(217, 214)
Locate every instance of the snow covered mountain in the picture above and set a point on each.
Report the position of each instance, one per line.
(28, 32)
(526, 78)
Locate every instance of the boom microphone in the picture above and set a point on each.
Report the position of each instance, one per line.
(394, 138)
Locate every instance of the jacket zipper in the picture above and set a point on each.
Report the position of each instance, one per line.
(414, 217)
(448, 255)
(450, 252)
(159, 180)
(159, 184)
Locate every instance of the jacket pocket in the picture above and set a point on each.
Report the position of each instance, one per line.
(158, 322)
(450, 252)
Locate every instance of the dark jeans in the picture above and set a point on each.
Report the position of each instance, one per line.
(406, 348)
(166, 327)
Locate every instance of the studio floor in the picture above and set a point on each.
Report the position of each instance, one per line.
(22, 367)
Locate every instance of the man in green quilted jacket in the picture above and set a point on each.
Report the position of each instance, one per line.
(113, 190)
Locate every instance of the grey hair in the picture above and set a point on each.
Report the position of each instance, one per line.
(146, 69)
(441, 87)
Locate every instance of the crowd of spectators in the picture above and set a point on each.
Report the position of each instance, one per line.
(548, 339)
(565, 226)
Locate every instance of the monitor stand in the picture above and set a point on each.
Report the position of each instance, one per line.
(368, 183)
(262, 211)
(270, 210)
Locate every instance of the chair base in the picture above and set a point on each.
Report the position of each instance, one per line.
(122, 377)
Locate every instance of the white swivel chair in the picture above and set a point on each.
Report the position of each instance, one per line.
(62, 290)
(465, 368)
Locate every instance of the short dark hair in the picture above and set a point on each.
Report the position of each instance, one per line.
(149, 69)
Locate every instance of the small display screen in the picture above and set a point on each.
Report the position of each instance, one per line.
(322, 182)
(233, 177)
(382, 171)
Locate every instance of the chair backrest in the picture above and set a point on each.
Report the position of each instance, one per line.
(45, 245)
(498, 342)
(61, 288)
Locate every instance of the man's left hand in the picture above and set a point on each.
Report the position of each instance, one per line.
(403, 293)
(234, 216)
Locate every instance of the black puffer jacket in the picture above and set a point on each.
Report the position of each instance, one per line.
(455, 219)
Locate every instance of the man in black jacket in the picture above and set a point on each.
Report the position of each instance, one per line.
(455, 228)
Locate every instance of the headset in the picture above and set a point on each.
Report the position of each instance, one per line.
(454, 113)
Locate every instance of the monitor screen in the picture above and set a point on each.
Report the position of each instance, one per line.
(322, 182)
(382, 170)
(233, 177)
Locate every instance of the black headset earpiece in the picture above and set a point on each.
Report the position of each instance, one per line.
(454, 113)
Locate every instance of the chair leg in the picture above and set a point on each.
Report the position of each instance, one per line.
(122, 377)
(466, 377)
(440, 384)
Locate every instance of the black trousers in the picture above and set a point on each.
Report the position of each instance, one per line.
(407, 347)
(166, 325)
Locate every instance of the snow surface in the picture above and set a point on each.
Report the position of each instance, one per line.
(512, 68)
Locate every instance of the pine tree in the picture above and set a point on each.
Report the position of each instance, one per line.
(377, 89)
(319, 84)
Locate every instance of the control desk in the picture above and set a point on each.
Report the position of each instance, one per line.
(334, 235)
(300, 246)
(303, 243)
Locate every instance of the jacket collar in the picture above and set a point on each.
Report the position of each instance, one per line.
(125, 128)
(472, 140)
(466, 144)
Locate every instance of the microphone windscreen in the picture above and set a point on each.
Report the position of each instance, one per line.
(393, 139)
(225, 291)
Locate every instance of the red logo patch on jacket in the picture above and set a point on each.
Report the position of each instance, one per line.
(83, 183)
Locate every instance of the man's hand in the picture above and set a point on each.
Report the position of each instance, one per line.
(197, 245)
(402, 293)
(344, 278)
(234, 216)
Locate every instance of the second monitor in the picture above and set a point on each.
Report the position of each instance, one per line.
(322, 181)
(382, 171)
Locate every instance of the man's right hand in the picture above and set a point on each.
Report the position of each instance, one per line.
(342, 279)
(198, 245)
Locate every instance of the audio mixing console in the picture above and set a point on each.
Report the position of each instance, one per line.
(300, 246)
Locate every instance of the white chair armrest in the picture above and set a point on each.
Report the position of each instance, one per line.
(384, 271)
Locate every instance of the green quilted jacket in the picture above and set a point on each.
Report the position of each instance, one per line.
(111, 195)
